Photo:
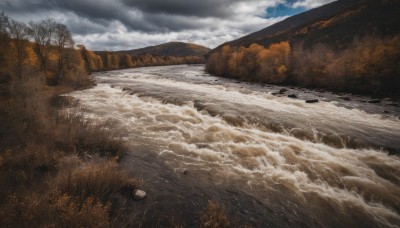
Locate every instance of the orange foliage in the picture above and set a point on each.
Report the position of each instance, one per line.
(255, 62)
(369, 64)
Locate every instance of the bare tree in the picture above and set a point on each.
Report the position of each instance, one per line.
(62, 39)
(43, 33)
(4, 37)
(19, 32)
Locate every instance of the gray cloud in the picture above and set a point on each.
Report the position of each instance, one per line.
(128, 24)
(202, 8)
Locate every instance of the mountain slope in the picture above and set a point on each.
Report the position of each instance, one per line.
(170, 49)
(347, 45)
(336, 24)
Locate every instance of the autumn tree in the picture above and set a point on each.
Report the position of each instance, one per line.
(62, 39)
(19, 33)
(4, 37)
(43, 33)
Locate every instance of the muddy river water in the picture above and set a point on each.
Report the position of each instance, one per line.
(271, 160)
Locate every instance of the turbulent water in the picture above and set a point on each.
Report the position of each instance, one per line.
(280, 161)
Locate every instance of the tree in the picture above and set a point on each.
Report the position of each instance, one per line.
(43, 33)
(62, 39)
(19, 32)
(4, 37)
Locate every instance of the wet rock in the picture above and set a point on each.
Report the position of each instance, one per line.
(283, 90)
(125, 89)
(345, 98)
(386, 111)
(237, 82)
(275, 93)
(139, 194)
(374, 101)
(185, 172)
(394, 105)
(312, 101)
(215, 80)
(292, 96)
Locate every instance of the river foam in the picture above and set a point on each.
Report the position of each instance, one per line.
(313, 162)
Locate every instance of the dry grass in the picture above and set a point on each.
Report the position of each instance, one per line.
(57, 170)
(215, 216)
(100, 180)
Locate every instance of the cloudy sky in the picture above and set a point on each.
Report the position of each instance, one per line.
(129, 24)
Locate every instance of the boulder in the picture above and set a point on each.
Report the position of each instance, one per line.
(312, 101)
(139, 194)
(283, 90)
(292, 96)
(374, 101)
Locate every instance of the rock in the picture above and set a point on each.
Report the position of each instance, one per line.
(125, 89)
(282, 90)
(292, 96)
(312, 101)
(237, 82)
(185, 172)
(275, 93)
(394, 105)
(345, 98)
(215, 80)
(386, 111)
(139, 194)
(374, 101)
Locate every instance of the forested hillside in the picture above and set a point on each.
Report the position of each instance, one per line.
(170, 49)
(345, 45)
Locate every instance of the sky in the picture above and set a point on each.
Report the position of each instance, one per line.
(129, 24)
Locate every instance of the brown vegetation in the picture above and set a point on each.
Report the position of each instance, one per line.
(369, 65)
(215, 216)
(56, 170)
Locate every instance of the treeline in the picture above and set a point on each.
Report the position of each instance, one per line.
(43, 48)
(368, 65)
(101, 61)
(47, 48)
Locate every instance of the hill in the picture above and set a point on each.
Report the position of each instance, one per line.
(347, 45)
(336, 24)
(170, 49)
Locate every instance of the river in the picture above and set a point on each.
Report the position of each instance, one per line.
(271, 160)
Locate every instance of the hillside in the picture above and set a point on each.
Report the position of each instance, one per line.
(170, 49)
(347, 45)
(336, 24)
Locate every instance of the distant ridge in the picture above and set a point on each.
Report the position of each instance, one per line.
(170, 49)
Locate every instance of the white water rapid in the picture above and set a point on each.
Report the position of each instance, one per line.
(325, 164)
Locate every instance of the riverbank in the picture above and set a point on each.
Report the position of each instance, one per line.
(58, 169)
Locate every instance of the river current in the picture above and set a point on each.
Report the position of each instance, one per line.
(270, 159)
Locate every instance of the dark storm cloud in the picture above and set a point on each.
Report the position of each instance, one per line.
(127, 24)
(198, 8)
